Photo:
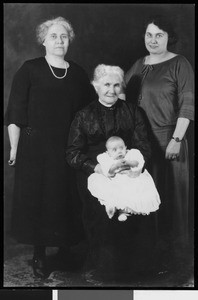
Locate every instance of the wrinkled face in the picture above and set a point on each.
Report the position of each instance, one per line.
(108, 89)
(116, 149)
(56, 40)
(156, 40)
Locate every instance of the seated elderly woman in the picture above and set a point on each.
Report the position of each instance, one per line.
(109, 241)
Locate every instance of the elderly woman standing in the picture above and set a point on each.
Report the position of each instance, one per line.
(108, 116)
(45, 95)
(162, 84)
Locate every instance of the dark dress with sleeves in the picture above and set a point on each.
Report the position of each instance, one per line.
(45, 204)
(113, 245)
(165, 92)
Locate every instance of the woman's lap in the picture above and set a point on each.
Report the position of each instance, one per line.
(115, 245)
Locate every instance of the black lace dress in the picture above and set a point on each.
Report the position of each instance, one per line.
(115, 247)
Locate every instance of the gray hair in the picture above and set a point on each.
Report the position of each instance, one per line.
(103, 70)
(42, 29)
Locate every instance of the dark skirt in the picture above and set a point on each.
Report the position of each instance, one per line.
(46, 206)
(172, 181)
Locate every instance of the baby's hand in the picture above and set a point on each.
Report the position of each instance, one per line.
(134, 174)
(132, 163)
(121, 166)
(125, 171)
(120, 162)
(114, 169)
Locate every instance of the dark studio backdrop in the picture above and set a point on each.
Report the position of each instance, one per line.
(105, 33)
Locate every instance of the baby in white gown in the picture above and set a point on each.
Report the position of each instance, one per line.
(122, 185)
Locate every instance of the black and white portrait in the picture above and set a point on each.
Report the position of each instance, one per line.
(98, 145)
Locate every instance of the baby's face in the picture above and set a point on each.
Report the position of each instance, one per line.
(116, 149)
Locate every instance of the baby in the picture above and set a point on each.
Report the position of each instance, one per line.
(123, 186)
(120, 162)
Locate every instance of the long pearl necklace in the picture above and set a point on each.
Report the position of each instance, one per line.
(66, 66)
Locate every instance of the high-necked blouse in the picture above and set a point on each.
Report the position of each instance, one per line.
(94, 124)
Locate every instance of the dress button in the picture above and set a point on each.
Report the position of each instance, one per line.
(139, 99)
(28, 130)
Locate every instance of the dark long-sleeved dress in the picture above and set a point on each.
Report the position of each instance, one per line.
(112, 240)
(45, 204)
(165, 92)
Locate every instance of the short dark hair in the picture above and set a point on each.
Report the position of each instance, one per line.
(164, 23)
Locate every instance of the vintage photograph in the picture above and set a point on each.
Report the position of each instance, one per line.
(98, 145)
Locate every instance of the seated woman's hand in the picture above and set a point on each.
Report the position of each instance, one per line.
(115, 168)
(124, 171)
(123, 165)
(123, 168)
